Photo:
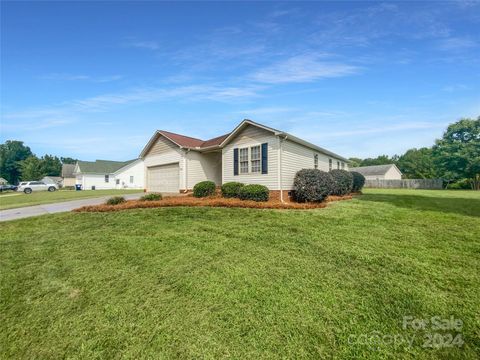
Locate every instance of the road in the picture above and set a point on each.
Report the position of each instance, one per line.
(36, 210)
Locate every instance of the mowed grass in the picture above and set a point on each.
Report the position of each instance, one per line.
(244, 283)
(10, 200)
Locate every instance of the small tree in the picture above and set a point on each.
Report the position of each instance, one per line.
(31, 168)
(343, 182)
(312, 185)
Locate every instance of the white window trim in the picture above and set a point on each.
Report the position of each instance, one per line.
(250, 160)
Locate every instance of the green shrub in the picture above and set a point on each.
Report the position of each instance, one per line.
(343, 182)
(151, 197)
(231, 189)
(358, 181)
(204, 188)
(115, 200)
(254, 192)
(463, 184)
(312, 185)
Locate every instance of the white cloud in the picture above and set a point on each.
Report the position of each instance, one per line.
(150, 45)
(302, 68)
(456, 43)
(79, 77)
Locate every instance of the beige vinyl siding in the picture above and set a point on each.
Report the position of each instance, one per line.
(296, 157)
(164, 152)
(252, 136)
(393, 174)
(201, 167)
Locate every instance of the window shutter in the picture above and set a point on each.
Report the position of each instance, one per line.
(235, 161)
(265, 158)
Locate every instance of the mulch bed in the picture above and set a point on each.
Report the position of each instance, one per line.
(209, 202)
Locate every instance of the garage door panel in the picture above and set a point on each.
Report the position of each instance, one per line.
(164, 178)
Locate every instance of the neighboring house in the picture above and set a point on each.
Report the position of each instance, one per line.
(379, 172)
(53, 180)
(67, 174)
(252, 154)
(104, 174)
(3, 181)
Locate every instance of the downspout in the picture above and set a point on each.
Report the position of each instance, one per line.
(280, 167)
(185, 178)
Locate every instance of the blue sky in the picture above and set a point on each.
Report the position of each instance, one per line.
(96, 79)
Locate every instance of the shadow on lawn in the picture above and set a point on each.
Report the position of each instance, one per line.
(462, 206)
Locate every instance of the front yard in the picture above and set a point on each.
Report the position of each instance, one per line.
(10, 200)
(244, 283)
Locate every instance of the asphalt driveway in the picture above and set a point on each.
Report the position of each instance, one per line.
(29, 211)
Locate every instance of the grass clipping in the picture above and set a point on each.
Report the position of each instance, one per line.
(214, 201)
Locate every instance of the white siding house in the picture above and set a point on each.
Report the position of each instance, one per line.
(252, 153)
(104, 174)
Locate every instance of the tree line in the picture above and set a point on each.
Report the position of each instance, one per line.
(18, 162)
(455, 157)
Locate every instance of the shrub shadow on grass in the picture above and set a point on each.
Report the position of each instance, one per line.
(461, 206)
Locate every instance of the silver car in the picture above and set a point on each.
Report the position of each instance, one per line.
(28, 186)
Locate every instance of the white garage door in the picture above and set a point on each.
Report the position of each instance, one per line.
(164, 178)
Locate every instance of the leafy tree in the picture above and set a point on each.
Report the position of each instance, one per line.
(31, 168)
(51, 165)
(458, 151)
(418, 164)
(12, 152)
(380, 160)
(354, 162)
(68, 160)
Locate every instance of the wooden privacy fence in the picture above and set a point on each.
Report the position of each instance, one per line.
(405, 184)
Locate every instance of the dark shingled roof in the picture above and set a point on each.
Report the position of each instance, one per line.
(102, 166)
(372, 170)
(190, 142)
(67, 170)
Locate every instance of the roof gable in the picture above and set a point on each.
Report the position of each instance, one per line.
(375, 169)
(101, 166)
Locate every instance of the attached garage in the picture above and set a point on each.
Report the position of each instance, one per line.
(164, 178)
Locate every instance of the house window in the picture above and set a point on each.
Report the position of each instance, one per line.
(117, 181)
(343, 166)
(131, 179)
(338, 164)
(315, 161)
(329, 164)
(244, 161)
(107, 178)
(255, 155)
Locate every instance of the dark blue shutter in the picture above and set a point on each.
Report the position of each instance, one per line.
(265, 158)
(235, 161)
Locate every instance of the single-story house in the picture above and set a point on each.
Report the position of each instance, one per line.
(379, 172)
(53, 180)
(67, 174)
(252, 154)
(105, 174)
(3, 181)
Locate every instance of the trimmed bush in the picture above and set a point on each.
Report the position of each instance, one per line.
(115, 200)
(312, 185)
(343, 182)
(231, 189)
(358, 181)
(204, 189)
(151, 197)
(254, 192)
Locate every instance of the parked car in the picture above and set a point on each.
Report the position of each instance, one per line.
(7, 187)
(28, 186)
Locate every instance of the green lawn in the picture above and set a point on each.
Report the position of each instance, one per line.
(11, 200)
(242, 283)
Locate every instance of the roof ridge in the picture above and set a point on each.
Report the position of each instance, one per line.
(169, 132)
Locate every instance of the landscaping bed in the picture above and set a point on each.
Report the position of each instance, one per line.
(212, 201)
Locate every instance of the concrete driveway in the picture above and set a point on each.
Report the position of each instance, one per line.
(29, 211)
